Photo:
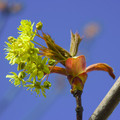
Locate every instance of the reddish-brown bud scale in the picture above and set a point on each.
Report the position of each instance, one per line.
(77, 71)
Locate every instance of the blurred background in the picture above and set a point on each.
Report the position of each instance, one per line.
(98, 22)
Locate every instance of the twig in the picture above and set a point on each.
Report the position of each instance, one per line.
(75, 41)
(79, 109)
(108, 104)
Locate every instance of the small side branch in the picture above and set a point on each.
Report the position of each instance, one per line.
(79, 109)
(108, 104)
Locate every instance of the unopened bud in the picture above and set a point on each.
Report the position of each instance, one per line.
(51, 62)
(11, 39)
(39, 25)
(47, 84)
(21, 66)
(21, 75)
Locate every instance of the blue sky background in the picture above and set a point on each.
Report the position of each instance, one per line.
(59, 17)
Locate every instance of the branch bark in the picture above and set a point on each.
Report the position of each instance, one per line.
(79, 109)
(108, 104)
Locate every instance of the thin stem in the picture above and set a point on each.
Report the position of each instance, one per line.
(38, 43)
(58, 52)
(40, 36)
(79, 109)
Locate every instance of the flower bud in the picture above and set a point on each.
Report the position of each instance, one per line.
(51, 62)
(21, 66)
(39, 25)
(47, 84)
(11, 39)
(21, 75)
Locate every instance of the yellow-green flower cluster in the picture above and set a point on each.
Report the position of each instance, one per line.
(22, 48)
(26, 30)
(17, 79)
(22, 51)
(38, 87)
